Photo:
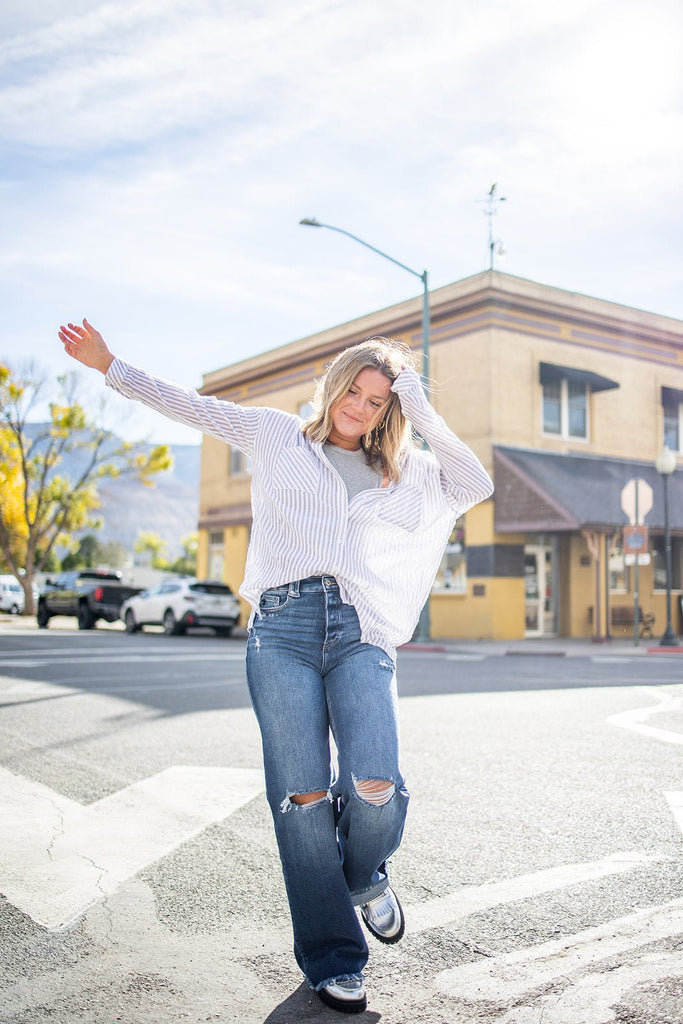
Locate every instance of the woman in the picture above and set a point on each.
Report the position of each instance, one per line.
(350, 520)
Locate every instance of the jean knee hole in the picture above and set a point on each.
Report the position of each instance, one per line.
(376, 792)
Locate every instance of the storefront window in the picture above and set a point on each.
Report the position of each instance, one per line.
(452, 574)
(619, 579)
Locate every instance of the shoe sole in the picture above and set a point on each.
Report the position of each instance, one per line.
(390, 940)
(343, 1005)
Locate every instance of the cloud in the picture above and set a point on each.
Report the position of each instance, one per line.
(158, 155)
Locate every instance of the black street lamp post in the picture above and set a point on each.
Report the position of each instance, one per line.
(666, 464)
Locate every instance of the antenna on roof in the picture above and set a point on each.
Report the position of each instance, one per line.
(492, 200)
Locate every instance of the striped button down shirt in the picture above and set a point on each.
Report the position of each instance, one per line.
(383, 546)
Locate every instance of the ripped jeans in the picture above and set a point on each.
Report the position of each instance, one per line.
(309, 674)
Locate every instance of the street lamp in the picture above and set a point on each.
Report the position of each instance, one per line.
(311, 222)
(422, 632)
(665, 464)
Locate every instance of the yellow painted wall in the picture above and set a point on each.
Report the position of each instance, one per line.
(203, 554)
(496, 615)
(236, 542)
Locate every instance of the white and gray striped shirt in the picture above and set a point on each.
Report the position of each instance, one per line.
(383, 546)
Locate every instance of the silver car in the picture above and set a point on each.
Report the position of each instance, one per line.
(11, 595)
(178, 605)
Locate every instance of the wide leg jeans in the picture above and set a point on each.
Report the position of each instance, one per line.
(309, 675)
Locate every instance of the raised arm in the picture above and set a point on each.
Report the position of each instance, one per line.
(464, 479)
(236, 424)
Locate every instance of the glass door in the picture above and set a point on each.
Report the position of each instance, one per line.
(539, 590)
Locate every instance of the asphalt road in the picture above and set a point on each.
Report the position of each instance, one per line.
(541, 869)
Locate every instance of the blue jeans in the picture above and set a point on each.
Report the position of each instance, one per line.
(309, 674)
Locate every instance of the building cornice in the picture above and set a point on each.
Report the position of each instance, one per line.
(482, 302)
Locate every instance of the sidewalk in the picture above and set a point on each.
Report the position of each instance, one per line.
(581, 647)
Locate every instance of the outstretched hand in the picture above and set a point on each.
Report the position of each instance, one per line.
(86, 345)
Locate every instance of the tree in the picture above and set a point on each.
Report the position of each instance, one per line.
(42, 502)
(90, 553)
(150, 543)
(85, 556)
(186, 564)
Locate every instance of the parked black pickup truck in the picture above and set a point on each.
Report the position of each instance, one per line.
(89, 594)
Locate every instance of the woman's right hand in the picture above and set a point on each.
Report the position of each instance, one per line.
(86, 345)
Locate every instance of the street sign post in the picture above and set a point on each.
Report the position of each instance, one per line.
(636, 502)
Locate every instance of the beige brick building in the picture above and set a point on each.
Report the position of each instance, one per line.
(565, 398)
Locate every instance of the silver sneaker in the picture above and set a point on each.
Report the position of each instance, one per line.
(345, 994)
(383, 916)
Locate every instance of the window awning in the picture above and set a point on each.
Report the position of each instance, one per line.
(541, 491)
(550, 373)
(671, 397)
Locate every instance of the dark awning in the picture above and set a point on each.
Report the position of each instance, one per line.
(550, 373)
(539, 491)
(671, 397)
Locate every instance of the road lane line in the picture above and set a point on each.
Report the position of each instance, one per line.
(593, 997)
(474, 899)
(512, 976)
(465, 657)
(58, 857)
(676, 804)
(107, 659)
(634, 718)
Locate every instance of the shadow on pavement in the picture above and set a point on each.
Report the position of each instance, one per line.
(304, 1005)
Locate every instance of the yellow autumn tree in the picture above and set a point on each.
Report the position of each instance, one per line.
(41, 502)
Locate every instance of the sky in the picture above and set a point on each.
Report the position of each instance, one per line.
(156, 157)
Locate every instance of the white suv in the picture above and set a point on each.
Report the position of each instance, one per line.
(11, 595)
(179, 604)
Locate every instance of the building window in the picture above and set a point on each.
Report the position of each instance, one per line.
(216, 554)
(452, 575)
(659, 562)
(565, 408)
(238, 462)
(565, 398)
(673, 422)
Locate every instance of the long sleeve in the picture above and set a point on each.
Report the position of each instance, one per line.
(464, 480)
(236, 424)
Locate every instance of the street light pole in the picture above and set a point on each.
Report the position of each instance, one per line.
(423, 626)
(666, 464)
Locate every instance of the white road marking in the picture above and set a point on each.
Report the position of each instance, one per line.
(465, 657)
(58, 857)
(513, 976)
(600, 992)
(474, 899)
(634, 718)
(107, 659)
(611, 659)
(676, 805)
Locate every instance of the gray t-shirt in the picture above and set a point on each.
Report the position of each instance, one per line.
(353, 469)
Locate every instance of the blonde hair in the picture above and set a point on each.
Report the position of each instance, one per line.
(385, 444)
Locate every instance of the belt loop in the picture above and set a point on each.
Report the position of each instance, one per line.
(294, 588)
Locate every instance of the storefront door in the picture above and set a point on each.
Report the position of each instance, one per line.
(539, 590)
